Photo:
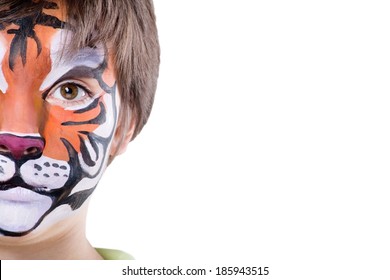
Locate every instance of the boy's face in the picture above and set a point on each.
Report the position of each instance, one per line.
(57, 120)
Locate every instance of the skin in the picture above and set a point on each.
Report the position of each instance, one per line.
(58, 121)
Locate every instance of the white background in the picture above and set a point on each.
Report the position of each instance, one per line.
(268, 143)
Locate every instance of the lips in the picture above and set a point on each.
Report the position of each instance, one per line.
(19, 194)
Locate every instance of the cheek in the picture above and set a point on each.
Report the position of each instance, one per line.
(78, 128)
(53, 133)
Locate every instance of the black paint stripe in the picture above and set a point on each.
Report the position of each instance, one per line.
(76, 200)
(90, 107)
(100, 119)
(47, 20)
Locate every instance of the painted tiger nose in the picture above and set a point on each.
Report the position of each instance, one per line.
(21, 147)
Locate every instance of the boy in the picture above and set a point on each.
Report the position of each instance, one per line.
(77, 82)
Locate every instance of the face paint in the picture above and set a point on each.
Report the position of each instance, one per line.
(57, 120)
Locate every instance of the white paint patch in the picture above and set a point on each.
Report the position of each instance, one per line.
(78, 107)
(20, 134)
(86, 57)
(3, 82)
(86, 184)
(7, 168)
(45, 172)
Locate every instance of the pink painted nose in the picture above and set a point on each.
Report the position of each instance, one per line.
(21, 147)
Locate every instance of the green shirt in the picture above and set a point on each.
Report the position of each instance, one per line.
(111, 254)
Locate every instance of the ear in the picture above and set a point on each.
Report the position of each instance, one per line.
(123, 136)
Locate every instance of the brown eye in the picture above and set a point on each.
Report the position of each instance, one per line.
(69, 91)
(70, 95)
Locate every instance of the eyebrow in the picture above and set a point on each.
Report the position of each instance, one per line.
(81, 65)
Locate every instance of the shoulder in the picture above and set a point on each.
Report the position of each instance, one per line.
(112, 254)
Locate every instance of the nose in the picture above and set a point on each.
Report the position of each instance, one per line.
(21, 147)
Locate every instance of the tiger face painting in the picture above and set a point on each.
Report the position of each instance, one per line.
(58, 117)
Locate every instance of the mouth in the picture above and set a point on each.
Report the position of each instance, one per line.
(16, 182)
(16, 190)
(20, 195)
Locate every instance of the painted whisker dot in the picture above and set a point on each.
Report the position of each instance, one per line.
(4, 161)
(46, 175)
(46, 164)
(38, 167)
(56, 174)
(56, 165)
(63, 167)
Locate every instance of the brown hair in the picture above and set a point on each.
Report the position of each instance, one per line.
(128, 29)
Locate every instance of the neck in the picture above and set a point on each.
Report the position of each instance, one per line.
(65, 240)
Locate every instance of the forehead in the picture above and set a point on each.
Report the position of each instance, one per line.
(36, 25)
(39, 51)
